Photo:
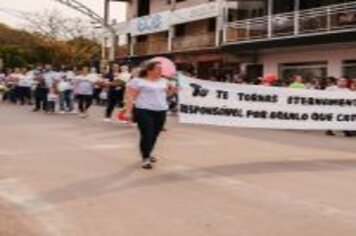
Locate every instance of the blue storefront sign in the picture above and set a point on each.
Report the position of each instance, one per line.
(150, 24)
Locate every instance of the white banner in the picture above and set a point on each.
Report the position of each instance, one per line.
(122, 28)
(224, 104)
(154, 23)
(199, 12)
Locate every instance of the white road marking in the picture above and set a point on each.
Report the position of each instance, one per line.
(37, 209)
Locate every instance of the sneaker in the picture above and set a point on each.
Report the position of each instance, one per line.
(82, 115)
(146, 164)
(61, 112)
(153, 159)
(107, 120)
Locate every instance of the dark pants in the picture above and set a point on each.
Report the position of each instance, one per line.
(84, 102)
(150, 124)
(41, 99)
(51, 106)
(14, 94)
(25, 95)
(66, 101)
(115, 98)
(5, 96)
(96, 95)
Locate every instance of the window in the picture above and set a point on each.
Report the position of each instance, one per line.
(212, 25)
(142, 38)
(281, 6)
(349, 68)
(180, 30)
(308, 70)
(143, 8)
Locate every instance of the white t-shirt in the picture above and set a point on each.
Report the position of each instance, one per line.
(335, 88)
(50, 77)
(152, 94)
(26, 80)
(64, 86)
(16, 78)
(70, 75)
(85, 84)
(2, 76)
(124, 76)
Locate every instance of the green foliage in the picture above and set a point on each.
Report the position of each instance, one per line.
(21, 48)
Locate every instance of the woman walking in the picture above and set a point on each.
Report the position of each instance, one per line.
(146, 101)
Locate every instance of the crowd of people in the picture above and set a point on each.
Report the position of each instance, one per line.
(52, 90)
(142, 94)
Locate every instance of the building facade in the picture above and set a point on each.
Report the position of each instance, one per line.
(248, 37)
(315, 39)
(184, 30)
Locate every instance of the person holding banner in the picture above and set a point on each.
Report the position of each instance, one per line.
(341, 85)
(297, 82)
(146, 101)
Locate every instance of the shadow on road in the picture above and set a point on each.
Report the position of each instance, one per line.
(118, 181)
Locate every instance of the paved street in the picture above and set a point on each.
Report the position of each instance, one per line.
(63, 175)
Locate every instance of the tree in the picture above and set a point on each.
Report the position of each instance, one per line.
(71, 39)
(49, 38)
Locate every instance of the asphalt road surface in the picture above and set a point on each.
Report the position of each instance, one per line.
(63, 175)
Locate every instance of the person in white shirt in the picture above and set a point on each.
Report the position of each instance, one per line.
(50, 76)
(25, 82)
(52, 99)
(14, 79)
(84, 89)
(65, 94)
(146, 100)
(341, 85)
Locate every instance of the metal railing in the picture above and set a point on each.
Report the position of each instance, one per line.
(192, 42)
(322, 20)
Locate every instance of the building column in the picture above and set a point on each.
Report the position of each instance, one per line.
(335, 67)
(219, 22)
(270, 18)
(132, 45)
(296, 16)
(171, 34)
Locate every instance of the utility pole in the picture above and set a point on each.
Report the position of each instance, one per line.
(114, 39)
(103, 21)
(106, 23)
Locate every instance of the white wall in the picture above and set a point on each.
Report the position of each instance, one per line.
(333, 54)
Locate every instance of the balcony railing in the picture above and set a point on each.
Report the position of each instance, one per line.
(191, 42)
(322, 20)
(151, 47)
(123, 51)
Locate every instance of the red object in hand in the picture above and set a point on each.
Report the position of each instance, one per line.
(121, 116)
